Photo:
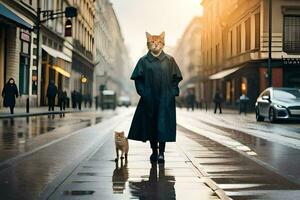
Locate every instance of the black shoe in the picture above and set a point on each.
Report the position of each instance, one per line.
(161, 158)
(153, 157)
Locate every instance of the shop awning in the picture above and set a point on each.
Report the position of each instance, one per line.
(13, 18)
(56, 54)
(223, 73)
(61, 71)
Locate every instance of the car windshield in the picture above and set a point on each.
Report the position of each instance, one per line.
(286, 93)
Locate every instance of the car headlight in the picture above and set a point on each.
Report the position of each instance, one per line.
(278, 106)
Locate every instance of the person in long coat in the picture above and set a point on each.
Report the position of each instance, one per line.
(156, 77)
(9, 94)
(51, 94)
(218, 101)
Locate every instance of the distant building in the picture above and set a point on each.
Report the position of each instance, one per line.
(235, 46)
(113, 65)
(83, 51)
(187, 54)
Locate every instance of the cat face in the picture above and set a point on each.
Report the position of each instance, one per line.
(155, 43)
(119, 134)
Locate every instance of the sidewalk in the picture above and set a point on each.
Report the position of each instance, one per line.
(21, 111)
(99, 177)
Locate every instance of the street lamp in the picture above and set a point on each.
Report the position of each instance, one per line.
(69, 12)
(270, 46)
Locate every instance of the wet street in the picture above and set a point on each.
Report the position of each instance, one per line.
(215, 157)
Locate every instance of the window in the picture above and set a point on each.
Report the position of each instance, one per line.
(257, 31)
(248, 34)
(24, 75)
(239, 37)
(291, 34)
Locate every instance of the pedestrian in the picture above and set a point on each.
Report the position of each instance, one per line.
(73, 98)
(218, 101)
(9, 94)
(243, 103)
(85, 100)
(62, 99)
(79, 99)
(156, 77)
(190, 100)
(51, 94)
(90, 100)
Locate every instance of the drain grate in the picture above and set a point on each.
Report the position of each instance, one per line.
(78, 192)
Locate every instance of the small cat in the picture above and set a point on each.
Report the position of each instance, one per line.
(155, 43)
(122, 145)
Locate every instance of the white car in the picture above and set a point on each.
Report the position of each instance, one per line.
(278, 104)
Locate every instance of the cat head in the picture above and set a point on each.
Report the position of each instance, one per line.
(119, 134)
(155, 43)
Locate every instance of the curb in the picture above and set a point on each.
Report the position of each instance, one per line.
(9, 116)
(203, 175)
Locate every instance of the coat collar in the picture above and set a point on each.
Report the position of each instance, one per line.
(151, 58)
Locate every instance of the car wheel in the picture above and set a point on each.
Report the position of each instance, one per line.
(272, 115)
(259, 118)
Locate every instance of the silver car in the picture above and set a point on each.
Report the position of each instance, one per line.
(278, 103)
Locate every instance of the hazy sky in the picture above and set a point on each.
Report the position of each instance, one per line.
(154, 16)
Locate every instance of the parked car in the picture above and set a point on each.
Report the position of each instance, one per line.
(108, 99)
(278, 104)
(124, 101)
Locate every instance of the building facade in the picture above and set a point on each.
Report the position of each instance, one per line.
(17, 44)
(235, 46)
(83, 47)
(187, 54)
(113, 65)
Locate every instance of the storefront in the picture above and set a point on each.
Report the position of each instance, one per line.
(15, 50)
(56, 66)
(82, 74)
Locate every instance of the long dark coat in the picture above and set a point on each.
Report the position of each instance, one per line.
(156, 80)
(9, 94)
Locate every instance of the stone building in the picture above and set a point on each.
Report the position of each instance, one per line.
(17, 44)
(82, 75)
(235, 46)
(56, 51)
(187, 54)
(113, 66)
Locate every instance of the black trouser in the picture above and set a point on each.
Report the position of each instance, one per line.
(62, 105)
(218, 105)
(11, 108)
(154, 145)
(51, 101)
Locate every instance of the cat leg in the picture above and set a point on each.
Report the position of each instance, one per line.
(117, 152)
(126, 156)
(122, 155)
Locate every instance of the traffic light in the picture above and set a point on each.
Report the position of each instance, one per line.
(70, 12)
(68, 28)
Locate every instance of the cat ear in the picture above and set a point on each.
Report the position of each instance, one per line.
(148, 35)
(162, 35)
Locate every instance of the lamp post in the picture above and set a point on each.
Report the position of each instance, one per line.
(270, 46)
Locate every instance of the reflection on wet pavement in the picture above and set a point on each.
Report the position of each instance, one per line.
(240, 177)
(275, 154)
(136, 179)
(158, 186)
(20, 135)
